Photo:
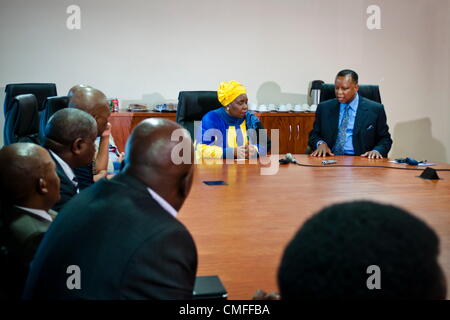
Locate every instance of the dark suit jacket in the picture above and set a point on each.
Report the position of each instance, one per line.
(21, 235)
(85, 176)
(125, 244)
(370, 132)
(67, 189)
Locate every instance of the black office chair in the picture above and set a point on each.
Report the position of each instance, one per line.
(40, 90)
(368, 91)
(22, 120)
(51, 106)
(193, 105)
(371, 92)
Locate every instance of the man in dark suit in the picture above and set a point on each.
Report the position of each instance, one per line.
(30, 187)
(350, 124)
(120, 238)
(70, 138)
(94, 102)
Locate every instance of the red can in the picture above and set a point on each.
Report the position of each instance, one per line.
(115, 105)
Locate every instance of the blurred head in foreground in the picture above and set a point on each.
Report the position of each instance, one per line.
(346, 249)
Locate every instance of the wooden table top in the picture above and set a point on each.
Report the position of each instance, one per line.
(242, 229)
(123, 113)
(143, 114)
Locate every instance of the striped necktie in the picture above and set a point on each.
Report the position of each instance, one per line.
(338, 148)
(75, 181)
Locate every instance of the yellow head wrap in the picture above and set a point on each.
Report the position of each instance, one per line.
(228, 91)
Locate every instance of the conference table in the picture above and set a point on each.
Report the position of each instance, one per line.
(242, 228)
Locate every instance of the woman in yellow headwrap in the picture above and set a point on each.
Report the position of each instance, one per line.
(230, 131)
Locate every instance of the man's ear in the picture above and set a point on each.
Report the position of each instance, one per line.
(42, 186)
(77, 146)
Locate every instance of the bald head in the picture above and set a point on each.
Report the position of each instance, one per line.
(76, 88)
(86, 98)
(150, 143)
(160, 163)
(92, 101)
(27, 175)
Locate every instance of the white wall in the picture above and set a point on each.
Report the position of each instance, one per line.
(150, 50)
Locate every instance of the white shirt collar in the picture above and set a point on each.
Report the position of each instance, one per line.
(38, 212)
(66, 168)
(163, 203)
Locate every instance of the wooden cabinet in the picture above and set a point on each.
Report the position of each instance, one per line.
(293, 127)
(124, 122)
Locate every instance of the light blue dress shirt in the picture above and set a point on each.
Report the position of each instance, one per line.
(353, 107)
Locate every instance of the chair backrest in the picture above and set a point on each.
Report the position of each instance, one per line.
(368, 91)
(22, 121)
(51, 105)
(193, 105)
(40, 90)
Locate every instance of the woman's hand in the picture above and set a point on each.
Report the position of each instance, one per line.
(246, 152)
(252, 151)
(242, 152)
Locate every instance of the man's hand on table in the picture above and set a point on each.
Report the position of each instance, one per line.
(322, 150)
(372, 155)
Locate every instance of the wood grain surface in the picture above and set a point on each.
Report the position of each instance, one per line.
(241, 229)
(124, 122)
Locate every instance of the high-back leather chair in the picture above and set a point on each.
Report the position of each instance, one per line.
(51, 106)
(40, 90)
(193, 105)
(22, 120)
(368, 91)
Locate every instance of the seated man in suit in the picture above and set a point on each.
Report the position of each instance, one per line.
(123, 233)
(362, 250)
(350, 124)
(30, 187)
(94, 102)
(70, 138)
(113, 155)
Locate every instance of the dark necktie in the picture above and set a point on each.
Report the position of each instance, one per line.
(342, 134)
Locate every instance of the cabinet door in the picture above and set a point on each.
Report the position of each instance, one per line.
(286, 132)
(303, 126)
(124, 122)
(293, 131)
